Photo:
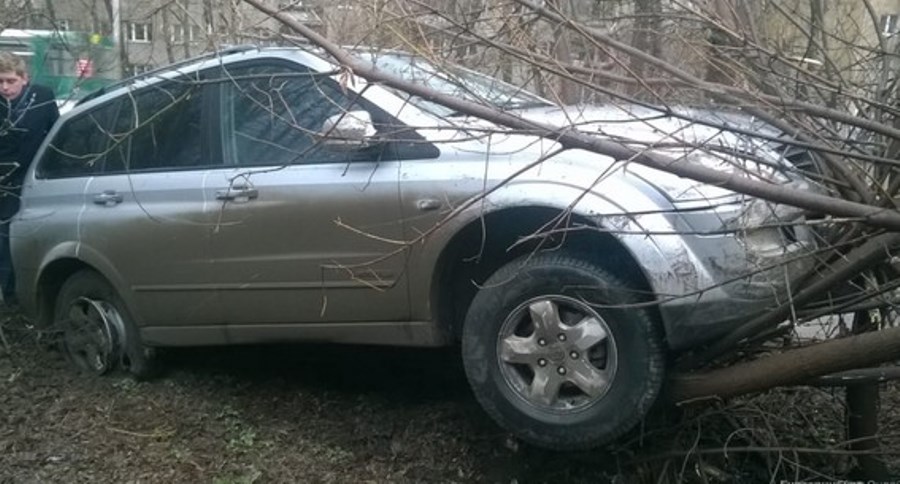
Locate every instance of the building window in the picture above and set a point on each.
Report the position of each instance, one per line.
(139, 32)
(890, 25)
(194, 32)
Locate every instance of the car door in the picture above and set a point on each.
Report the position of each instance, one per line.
(147, 216)
(305, 233)
(53, 199)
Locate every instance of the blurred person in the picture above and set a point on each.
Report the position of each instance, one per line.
(27, 112)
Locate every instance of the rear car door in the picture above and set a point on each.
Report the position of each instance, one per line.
(309, 233)
(53, 200)
(146, 217)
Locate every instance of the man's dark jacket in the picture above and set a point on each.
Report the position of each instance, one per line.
(24, 122)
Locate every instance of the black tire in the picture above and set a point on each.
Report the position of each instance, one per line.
(502, 347)
(88, 304)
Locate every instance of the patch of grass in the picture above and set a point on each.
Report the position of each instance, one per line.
(126, 385)
(242, 436)
(244, 439)
(250, 476)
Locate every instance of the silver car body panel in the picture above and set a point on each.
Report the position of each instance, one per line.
(337, 278)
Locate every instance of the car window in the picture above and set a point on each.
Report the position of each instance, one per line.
(274, 114)
(156, 128)
(78, 148)
(159, 128)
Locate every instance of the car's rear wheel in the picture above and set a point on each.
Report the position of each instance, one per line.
(557, 352)
(97, 333)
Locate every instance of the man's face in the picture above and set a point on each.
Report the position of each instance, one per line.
(11, 84)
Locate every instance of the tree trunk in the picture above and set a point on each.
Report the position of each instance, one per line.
(168, 37)
(51, 13)
(645, 37)
(862, 415)
(562, 51)
(186, 27)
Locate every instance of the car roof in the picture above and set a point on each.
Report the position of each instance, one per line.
(227, 55)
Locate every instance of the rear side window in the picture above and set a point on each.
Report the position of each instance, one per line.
(78, 149)
(160, 127)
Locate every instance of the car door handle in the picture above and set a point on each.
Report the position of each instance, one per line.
(428, 204)
(108, 198)
(237, 193)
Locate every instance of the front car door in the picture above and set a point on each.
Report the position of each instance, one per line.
(306, 233)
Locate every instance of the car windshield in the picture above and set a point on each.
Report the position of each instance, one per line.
(455, 81)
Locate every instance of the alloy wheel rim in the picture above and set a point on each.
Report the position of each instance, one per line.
(557, 354)
(92, 335)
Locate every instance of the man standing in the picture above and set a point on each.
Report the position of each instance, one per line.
(27, 112)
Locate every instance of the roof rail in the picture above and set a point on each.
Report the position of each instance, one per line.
(233, 49)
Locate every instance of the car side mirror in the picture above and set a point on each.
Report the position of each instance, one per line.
(350, 131)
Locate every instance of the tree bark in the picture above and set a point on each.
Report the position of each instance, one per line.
(792, 367)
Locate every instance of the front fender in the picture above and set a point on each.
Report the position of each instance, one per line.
(624, 205)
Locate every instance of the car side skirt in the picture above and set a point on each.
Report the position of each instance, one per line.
(415, 333)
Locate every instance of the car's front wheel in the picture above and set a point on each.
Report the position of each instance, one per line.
(97, 332)
(558, 353)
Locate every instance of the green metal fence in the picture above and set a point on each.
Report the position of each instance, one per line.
(71, 63)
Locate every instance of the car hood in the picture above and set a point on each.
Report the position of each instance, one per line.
(715, 139)
(644, 124)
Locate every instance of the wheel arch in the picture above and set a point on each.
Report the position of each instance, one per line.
(59, 266)
(49, 282)
(483, 245)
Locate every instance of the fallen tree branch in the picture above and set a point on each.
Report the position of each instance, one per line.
(862, 375)
(795, 366)
(857, 260)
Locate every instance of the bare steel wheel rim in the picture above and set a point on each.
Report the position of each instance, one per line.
(557, 354)
(92, 335)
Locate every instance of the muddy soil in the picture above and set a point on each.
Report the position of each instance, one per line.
(317, 413)
(262, 414)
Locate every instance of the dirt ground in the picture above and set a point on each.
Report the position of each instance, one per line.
(292, 414)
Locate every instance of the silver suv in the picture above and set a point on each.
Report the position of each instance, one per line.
(261, 195)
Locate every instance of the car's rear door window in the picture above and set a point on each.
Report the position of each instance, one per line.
(80, 146)
(160, 127)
